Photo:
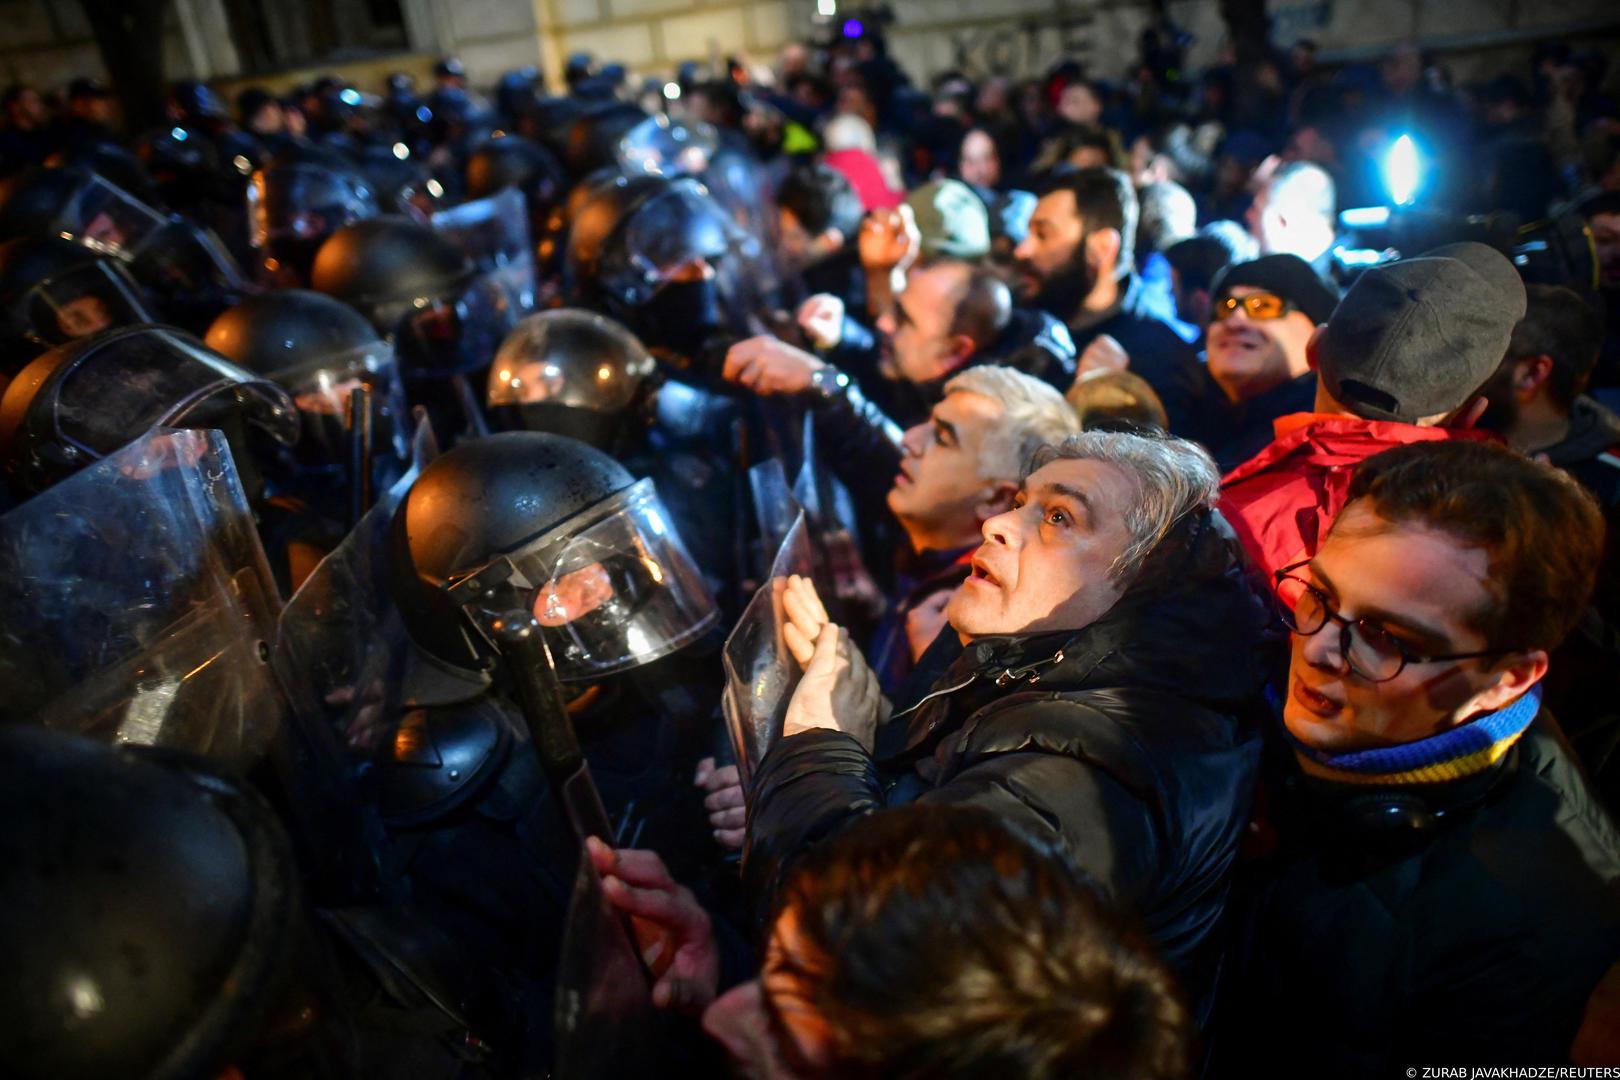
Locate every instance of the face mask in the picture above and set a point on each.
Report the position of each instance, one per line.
(682, 317)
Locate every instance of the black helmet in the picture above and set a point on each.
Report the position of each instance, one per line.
(151, 919)
(570, 372)
(54, 290)
(81, 401)
(524, 521)
(319, 350)
(402, 183)
(33, 202)
(294, 208)
(593, 137)
(419, 289)
(632, 249)
(513, 161)
(194, 102)
(110, 160)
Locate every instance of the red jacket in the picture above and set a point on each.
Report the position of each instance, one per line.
(1281, 501)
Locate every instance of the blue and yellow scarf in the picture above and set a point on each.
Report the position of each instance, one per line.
(1465, 750)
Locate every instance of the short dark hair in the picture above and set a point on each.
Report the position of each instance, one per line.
(1541, 531)
(1104, 199)
(1561, 326)
(937, 941)
(821, 198)
(984, 306)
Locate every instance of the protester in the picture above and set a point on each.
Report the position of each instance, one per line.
(1443, 883)
(1000, 960)
(1401, 360)
(1076, 264)
(1263, 316)
(1113, 593)
(1293, 214)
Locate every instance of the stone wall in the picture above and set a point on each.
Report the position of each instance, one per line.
(47, 42)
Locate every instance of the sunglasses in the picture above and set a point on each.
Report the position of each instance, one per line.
(1258, 305)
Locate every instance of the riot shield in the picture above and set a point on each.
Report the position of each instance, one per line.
(136, 604)
(776, 508)
(341, 636)
(604, 1012)
(760, 671)
(852, 594)
(494, 233)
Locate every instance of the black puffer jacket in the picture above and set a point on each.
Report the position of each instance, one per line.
(1133, 742)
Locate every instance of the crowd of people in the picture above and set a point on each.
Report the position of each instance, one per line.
(791, 571)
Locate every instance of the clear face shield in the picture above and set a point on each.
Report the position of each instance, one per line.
(458, 335)
(84, 301)
(129, 383)
(322, 390)
(138, 607)
(660, 146)
(569, 358)
(664, 237)
(612, 588)
(494, 234)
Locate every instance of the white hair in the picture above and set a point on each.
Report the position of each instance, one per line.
(846, 131)
(1033, 414)
(1173, 478)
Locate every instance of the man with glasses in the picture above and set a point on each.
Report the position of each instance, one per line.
(1401, 360)
(1261, 318)
(1441, 885)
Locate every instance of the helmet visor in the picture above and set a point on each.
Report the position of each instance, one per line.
(612, 588)
(83, 301)
(438, 339)
(666, 235)
(576, 359)
(322, 392)
(133, 382)
(663, 147)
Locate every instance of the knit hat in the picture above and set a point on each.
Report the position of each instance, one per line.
(950, 219)
(1419, 337)
(1289, 277)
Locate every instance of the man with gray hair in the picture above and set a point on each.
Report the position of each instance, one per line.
(1099, 688)
(956, 470)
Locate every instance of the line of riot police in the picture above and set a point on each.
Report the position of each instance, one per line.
(361, 697)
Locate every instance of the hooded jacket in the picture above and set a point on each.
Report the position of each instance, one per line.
(1282, 501)
(1131, 742)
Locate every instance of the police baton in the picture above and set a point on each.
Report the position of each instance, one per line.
(359, 454)
(528, 664)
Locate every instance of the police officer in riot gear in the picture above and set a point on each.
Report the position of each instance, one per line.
(81, 401)
(155, 924)
(547, 526)
(422, 292)
(321, 352)
(517, 162)
(53, 291)
(293, 207)
(573, 372)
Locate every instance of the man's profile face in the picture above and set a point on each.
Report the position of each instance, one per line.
(1052, 269)
(920, 346)
(1248, 356)
(1045, 564)
(1420, 585)
(978, 163)
(940, 488)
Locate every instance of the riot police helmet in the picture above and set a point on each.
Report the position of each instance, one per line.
(529, 523)
(571, 372)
